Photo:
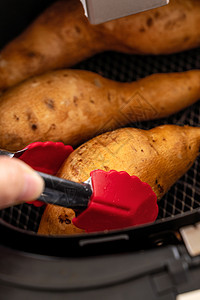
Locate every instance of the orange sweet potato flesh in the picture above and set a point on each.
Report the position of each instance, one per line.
(73, 106)
(159, 156)
(62, 36)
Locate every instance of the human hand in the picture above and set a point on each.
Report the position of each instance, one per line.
(18, 182)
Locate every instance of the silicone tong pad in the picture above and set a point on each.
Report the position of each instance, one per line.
(45, 157)
(118, 201)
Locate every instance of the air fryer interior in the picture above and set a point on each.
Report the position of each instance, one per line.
(185, 194)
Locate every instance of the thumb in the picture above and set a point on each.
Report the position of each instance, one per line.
(18, 182)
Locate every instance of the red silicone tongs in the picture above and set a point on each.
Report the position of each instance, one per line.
(108, 200)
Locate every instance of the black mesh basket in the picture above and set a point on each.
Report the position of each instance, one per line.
(184, 196)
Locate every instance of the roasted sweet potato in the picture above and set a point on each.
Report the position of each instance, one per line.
(62, 36)
(72, 105)
(159, 156)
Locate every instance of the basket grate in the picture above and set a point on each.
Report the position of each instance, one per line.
(185, 194)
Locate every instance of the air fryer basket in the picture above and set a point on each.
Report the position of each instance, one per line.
(185, 194)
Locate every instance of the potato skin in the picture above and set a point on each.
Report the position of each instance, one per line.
(73, 106)
(159, 156)
(63, 216)
(165, 30)
(62, 37)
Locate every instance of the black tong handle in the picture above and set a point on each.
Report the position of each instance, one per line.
(65, 193)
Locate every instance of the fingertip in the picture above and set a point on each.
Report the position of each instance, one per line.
(18, 182)
(32, 188)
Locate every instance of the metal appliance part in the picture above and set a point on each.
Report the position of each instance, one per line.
(191, 237)
(99, 11)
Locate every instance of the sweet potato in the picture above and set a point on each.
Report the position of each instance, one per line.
(62, 37)
(72, 105)
(159, 156)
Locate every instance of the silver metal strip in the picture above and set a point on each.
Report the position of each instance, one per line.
(99, 11)
(191, 238)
